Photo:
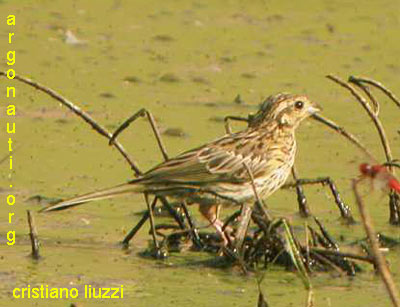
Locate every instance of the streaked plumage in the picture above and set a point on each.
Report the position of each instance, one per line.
(215, 173)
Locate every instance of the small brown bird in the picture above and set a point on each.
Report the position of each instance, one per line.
(216, 173)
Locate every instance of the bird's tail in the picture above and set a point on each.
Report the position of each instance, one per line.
(121, 189)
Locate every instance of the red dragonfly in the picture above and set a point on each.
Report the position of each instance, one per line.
(380, 176)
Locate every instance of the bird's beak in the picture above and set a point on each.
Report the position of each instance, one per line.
(314, 108)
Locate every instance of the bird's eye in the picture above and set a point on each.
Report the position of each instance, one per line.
(299, 104)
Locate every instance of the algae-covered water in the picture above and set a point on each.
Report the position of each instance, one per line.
(186, 61)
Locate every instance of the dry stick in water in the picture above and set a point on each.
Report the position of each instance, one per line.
(379, 86)
(374, 117)
(342, 254)
(380, 260)
(194, 233)
(86, 117)
(245, 216)
(152, 224)
(370, 113)
(344, 209)
(259, 202)
(141, 113)
(393, 198)
(343, 132)
(33, 236)
(301, 198)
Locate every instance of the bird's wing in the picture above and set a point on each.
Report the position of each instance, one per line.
(221, 161)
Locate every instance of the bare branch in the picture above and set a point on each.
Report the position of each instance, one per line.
(380, 261)
(379, 86)
(82, 114)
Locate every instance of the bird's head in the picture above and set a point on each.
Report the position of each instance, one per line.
(288, 110)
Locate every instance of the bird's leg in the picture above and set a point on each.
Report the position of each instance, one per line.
(209, 211)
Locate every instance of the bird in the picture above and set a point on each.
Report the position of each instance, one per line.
(217, 173)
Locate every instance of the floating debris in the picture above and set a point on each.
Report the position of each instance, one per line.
(163, 38)
(107, 95)
(330, 28)
(132, 79)
(228, 59)
(71, 39)
(248, 75)
(169, 77)
(62, 121)
(201, 80)
(238, 100)
(176, 132)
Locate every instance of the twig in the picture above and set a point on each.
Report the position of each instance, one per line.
(370, 112)
(375, 119)
(152, 224)
(259, 203)
(82, 114)
(344, 209)
(341, 131)
(228, 128)
(141, 113)
(393, 203)
(326, 234)
(301, 198)
(378, 257)
(193, 229)
(327, 261)
(379, 86)
(33, 236)
(392, 163)
(367, 92)
(7, 156)
(319, 239)
(97, 127)
(262, 302)
(342, 254)
(135, 229)
(344, 263)
(177, 217)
